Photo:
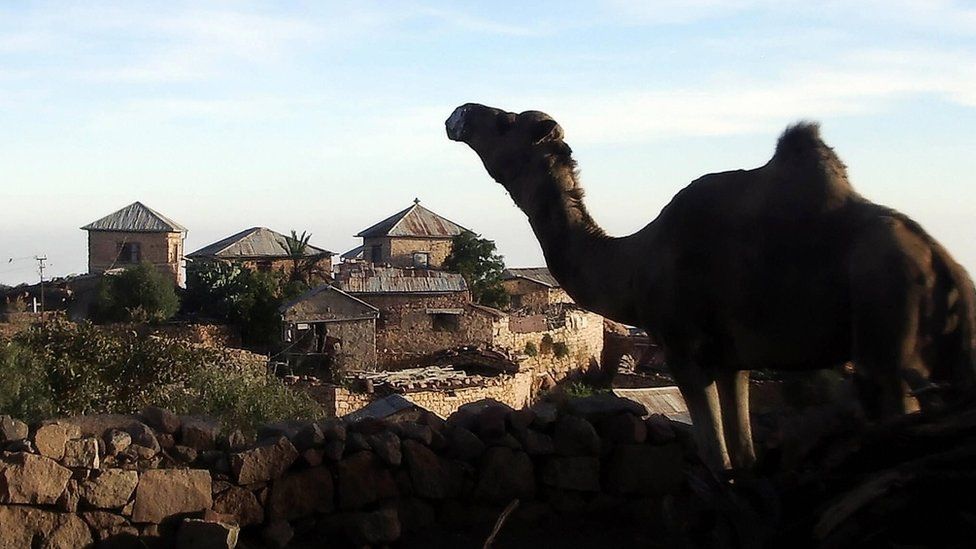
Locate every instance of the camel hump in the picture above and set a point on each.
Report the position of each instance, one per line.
(800, 150)
(799, 141)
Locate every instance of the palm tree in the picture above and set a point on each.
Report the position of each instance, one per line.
(305, 265)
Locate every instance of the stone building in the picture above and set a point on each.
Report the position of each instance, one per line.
(415, 237)
(262, 249)
(329, 331)
(134, 234)
(533, 288)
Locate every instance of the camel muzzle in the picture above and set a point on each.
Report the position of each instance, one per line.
(455, 124)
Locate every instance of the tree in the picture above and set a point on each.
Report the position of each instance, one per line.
(137, 294)
(477, 260)
(305, 266)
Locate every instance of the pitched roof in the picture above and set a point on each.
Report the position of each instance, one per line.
(659, 400)
(253, 242)
(302, 308)
(355, 253)
(540, 275)
(136, 218)
(416, 221)
(391, 280)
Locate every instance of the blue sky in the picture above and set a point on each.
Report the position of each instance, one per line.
(328, 116)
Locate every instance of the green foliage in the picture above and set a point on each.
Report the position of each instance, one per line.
(531, 349)
(237, 295)
(560, 349)
(580, 389)
(305, 266)
(477, 260)
(62, 368)
(546, 346)
(138, 294)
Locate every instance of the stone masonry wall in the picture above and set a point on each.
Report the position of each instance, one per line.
(164, 250)
(582, 334)
(160, 480)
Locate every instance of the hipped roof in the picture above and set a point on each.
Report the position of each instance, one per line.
(136, 218)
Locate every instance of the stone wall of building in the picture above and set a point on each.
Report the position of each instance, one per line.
(580, 331)
(533, 296)
(283, 265)
(164, 250)
(161, 480)
(402, 250)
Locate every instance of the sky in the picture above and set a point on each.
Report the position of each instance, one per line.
(327, 117)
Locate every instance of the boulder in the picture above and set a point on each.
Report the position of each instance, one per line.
(536, 443)
(490, 423)
(69, 499)
(203, 534)
(387, 447)
(111, 489)
(333, 449)
(99, 424)
(50, 439)
(184, 454)
(263, 463)
(573, 473)
(660, 430)
(375, 528)
(161, 419)
(363, 480)
(546, 413)
(574, 436)
(623, 428)
(428, 476)
(278, 534)
(313, 457)
(309, 436)
(31, 527)
(519, 420)
(301, 494)
(111, 530)
(116, 442)
(645, 469)
(333, 429)
(505, 474)
(31, 479)
(162, 493)
(81, 453)
(12, 429)
(415, 514)
(464, 444)
(236, 441)
(598, 406)
(240, 503)
(356, 442)
(415, 431)
(199, 433)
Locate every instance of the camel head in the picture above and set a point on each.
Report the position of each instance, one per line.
(510, 145)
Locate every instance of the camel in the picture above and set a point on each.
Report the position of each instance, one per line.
(783, 266)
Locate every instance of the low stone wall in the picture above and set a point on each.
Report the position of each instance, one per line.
(162, 480)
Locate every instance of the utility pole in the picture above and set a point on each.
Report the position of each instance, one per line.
(40, 270)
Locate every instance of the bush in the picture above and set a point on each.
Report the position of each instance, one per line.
(560, 349)
(531, 349)
(62, 368)
(137, 294)
(477, 260)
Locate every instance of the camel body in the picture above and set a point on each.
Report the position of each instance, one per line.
(780, 267)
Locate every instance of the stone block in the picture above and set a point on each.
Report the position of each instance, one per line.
(31, 479)
(301, 494)
(111, 489)
(263, 463)
(162, 493)
(240, 503)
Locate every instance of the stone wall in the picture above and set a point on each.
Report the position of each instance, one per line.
(398, 251)
(164, 250)
(166, 481)
(533, 296)
(580, 331)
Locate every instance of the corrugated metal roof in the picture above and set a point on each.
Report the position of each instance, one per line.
(415, 221)
(391, 280)
(326, 288)
(136, 218)
(256, 242)
(535, 274)
(355, 253)
(659, 400)
(382, 408)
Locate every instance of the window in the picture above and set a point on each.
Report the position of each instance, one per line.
(445, 322)
(376, 253)
(421, 260)
(129, 252)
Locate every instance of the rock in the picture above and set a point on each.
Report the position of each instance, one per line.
(356, 442)
(81, 453)
(111, 489)
(278, 534)
(309, 436)
(490, 423)
(415, 431)
(378, 527)
(240, 503)
(546, 414)
(31, 479)
(161, 419)
(520, 420)
(598, 406)
(69, 532)
(162, 493)
(645, 469)
(574, 436)
(301, 494)
(166, 441)
(143, 436)
(19, 446)
(184, 454)
(659, 429)
(568, 502)
(202, 534)
(623, 429)
(199, 433)
(370, 426)
(334, 449)
(505, 474)
(506, 440)
(50, 439)
(464, 444)
(363, 480)
(387, 447)
(69, 499)
(30, 527)
(274, 431)
(333, 429)
(415, 514)
(263, 462)
(428, 476)
(112, 531)
(116, 442)
(12, 429)
(98, 424)
(236, 441)
(313, 457)
(574, 473)
(537, 444)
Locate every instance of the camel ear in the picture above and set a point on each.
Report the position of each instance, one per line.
(546, 130)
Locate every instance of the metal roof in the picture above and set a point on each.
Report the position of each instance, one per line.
(391, 280)
(415, 221)
(540, 275)
(383, 408)
(136, 218)
(373, 311)
(256, 242)
(659, 400)
(355, 253)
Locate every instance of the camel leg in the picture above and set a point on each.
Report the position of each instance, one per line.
(733, 391)
(701, 396)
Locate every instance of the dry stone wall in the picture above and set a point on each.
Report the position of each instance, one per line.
(160, 480)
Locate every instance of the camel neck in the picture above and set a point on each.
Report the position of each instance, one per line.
(601, 273)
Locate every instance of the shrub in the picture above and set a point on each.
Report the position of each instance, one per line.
(531, 349)
(546, 346)
(62, 368)
(477, 260)
(560, 349)
(137, 294)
